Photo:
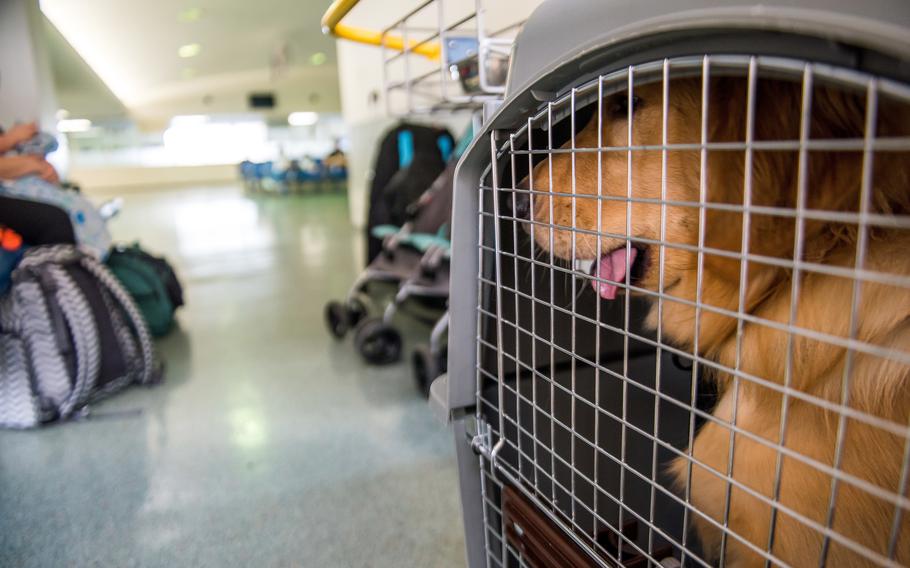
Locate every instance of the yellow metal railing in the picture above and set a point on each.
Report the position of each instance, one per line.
(331, 24)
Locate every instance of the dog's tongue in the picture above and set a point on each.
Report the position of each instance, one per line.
(612, 266)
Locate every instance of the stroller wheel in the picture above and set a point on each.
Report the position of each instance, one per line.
(356, 312)
(425, 369)
(377, 343)
(336, 318)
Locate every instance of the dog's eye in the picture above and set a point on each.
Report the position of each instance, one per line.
(619, 106)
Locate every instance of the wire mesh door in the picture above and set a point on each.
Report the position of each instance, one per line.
(694, 319)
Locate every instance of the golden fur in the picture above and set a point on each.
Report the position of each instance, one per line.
(878, 386)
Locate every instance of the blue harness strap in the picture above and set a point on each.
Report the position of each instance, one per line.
(405, 148)
(445, 147)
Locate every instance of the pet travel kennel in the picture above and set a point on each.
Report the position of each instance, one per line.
(680, 290)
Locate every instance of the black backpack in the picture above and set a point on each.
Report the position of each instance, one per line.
(421, 150)
(69, 335)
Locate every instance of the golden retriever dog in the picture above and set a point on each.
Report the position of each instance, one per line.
(872, 452)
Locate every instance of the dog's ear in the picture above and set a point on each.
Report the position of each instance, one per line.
(726, 109)
(777, 108)
(776, 111)
(833, 178)
(837, 113)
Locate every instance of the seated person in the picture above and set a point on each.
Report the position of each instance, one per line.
(16, 166)
(336, 159)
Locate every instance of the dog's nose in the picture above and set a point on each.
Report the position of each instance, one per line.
(519, 204)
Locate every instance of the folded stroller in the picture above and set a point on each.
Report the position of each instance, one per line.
(413, 258)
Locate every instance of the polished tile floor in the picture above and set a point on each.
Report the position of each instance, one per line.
(269, 445)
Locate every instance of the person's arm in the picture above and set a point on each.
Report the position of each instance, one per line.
(17, 135)
(15, 167)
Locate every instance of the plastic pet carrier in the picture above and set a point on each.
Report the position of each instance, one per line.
(680, 290)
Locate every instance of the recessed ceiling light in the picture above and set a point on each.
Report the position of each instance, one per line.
(62, 114)
(317, 58)
(303, 118)
(74, 125)
(189, 15)
(189, 50)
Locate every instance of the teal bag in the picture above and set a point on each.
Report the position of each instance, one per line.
(144, 278)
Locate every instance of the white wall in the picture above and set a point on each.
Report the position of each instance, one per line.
(26, 81)
(129, 178)
(26, 85)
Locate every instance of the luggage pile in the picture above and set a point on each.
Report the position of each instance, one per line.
(77, 316)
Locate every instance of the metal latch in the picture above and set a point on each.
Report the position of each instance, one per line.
(482, 442)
